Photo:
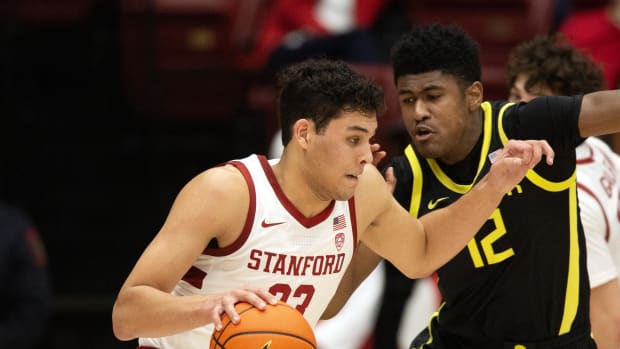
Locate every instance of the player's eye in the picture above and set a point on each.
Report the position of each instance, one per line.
(354, 140)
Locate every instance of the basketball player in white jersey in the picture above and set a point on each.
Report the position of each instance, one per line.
(256, 230)
(544, 67)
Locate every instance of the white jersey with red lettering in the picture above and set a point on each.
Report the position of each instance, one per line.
(598, 168)
(299, 259)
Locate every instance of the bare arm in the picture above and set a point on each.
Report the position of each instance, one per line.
(600, 113)
(364, 260)
(212, 202)
(363, 263)
(423, 245)
(605, 314)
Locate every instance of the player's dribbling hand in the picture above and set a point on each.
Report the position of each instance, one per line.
(517, 157)
(225, 303)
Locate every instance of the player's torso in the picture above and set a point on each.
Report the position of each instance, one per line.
(532, 236)
(299, 259)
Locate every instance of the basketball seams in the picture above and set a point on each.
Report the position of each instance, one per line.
(228, 323)
(285, 334)
(284, 325)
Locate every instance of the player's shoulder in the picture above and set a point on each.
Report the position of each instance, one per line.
(225, 181)
(224, 174)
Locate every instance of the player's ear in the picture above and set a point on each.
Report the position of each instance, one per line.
(474, 96)
(301, 132)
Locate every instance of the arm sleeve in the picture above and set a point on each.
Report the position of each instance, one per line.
(553, 118)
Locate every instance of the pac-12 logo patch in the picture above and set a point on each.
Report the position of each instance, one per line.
(339, 240)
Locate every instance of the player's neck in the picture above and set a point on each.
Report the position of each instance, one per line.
(296, 187)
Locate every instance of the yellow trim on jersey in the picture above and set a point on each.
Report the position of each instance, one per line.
(430, 329)
(486, 142)
(571, 301)
(416, 193)
(500, 124)
(532, 176)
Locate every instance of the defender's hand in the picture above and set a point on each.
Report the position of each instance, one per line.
(511, 163)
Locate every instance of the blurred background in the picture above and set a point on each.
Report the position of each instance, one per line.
(107, 107)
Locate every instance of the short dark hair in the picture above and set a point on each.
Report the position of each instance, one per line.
(446, 48)
(320, 89)
(552, 62)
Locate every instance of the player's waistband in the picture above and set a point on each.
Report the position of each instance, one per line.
(574, 337)
(142, 347)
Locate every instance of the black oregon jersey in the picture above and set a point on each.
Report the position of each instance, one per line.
(523, 277)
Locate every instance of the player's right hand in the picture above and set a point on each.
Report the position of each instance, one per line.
(512, 162)
(217, 304)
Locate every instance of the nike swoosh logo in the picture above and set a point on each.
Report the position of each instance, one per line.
(433, 203)
(267, 225)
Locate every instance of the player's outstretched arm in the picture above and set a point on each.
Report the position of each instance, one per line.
(212, 205)
(419, 247)
(599, 113)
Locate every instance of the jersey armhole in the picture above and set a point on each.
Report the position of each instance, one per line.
(249, 219)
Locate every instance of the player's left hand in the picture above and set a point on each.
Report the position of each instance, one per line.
(511, 163)
(529, 151)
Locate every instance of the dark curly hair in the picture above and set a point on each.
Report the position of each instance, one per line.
(446, 48)
(552, 62)
(320, 89)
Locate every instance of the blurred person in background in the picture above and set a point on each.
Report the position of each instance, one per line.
(25, 291)
(350, 30)
(547, 66)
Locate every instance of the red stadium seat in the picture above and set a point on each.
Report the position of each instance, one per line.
(179, 56)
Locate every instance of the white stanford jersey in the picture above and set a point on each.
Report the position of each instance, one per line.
(299, 259)
(599, 194)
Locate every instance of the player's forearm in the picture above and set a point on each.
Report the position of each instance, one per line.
(143, 311)
(363, 263)
(448, 230)
(605, 314)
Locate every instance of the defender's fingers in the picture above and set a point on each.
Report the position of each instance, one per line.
(549, 153)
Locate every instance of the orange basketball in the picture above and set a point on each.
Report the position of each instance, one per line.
(277, 327)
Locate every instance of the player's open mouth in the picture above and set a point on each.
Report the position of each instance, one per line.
(423, 133)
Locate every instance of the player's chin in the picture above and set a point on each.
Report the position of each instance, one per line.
(344, 194)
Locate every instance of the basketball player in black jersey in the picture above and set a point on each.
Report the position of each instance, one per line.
(522, 281)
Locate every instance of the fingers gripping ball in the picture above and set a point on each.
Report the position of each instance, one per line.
(277, 327)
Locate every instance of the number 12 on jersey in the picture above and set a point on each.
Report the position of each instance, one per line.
(486, 243)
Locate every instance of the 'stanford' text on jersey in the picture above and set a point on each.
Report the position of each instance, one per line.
(301, 260)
